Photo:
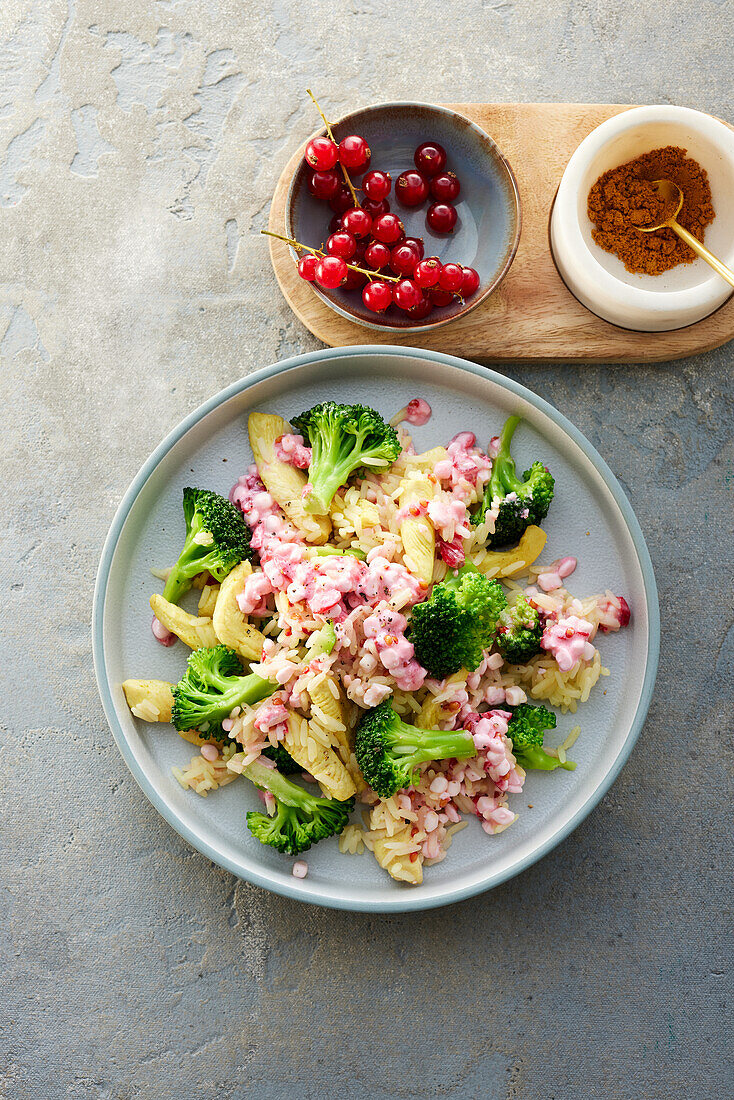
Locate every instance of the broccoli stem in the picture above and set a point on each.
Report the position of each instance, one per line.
(533, 758)
(287, 792)
(434, 744)
(193, 560)
(504, 477)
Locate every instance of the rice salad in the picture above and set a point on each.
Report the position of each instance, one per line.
(377, 646)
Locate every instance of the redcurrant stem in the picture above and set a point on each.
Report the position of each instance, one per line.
(376, 275)
(329, 131)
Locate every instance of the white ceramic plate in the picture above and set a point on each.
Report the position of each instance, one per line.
(590, 518)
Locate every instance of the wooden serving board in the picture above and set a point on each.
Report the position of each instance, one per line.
(531, 315)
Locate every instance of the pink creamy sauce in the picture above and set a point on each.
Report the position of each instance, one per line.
(569, 641)
(466, 467)
(554, 577)
(291, 449)
(387, 628)
(614, 613)
(161, 633)
(331, 586)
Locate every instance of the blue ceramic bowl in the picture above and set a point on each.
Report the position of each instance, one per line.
(487, 232)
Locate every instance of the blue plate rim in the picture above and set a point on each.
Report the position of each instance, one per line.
(403, 902)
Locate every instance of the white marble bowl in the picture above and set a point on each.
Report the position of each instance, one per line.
(598, 279)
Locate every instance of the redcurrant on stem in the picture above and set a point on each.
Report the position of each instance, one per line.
(378, 275)
(347, 180)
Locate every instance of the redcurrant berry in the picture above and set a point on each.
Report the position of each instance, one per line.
(421, 311)
(451, 277)
(377, 296)
(325, 185)
(354, 153)
(470, 282)
(377, 255)
(430, 158)
(354, 280)
(335, 223)
(439, 296)
(445, 187)
(441, 217)
(427, 272)
(321, 153)
(357, 221)
(331, 272)
(343, 244)
(375, 208)
(307, 267)
(411, 187)
(342, 200)
(418, 243)
(376, 184)
(388, 228)
(406, 294)
(404, 258)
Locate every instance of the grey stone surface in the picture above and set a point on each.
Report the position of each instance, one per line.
(139, 145)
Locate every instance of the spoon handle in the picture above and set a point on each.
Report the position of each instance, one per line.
(703, 252)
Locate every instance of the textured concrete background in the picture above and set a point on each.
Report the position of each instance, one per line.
(139, 146)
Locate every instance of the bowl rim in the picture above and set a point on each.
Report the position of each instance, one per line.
(400, 901)
(565, 206)
(449, 112)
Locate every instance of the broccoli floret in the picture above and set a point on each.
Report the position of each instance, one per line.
(344, 439)
(519, 631)
(212, 686)
(301, 819)
(388, 750)
(530, 498)
(451, 629)
(282, 759)
(527, 730)
(217, 539)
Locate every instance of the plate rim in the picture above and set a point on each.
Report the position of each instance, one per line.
(402, 901)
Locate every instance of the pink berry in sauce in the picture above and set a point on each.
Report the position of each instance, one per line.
(430, 158)
(418, 412)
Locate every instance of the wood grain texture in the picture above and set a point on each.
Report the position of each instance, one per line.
(531, 315)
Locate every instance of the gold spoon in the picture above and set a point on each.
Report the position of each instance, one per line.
(670, 193)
